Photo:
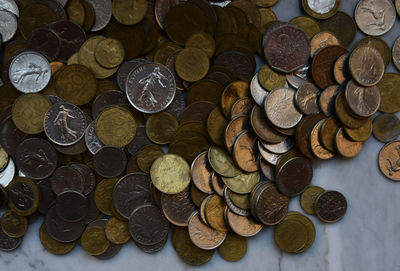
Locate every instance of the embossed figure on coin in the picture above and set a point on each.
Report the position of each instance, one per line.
(378, 14)
(149, 81)
(394, 167)
(22, 196)
(321, 6)
(33, 69)
(61, 120)
(38, 159)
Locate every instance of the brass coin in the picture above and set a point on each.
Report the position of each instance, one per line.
(322, 40)
(245, 152)
(129, 12)
(267, 16)
(345, 147)
(320, 10)
(202, 173)
(28, 112)
(234, 128)
(76, 11)
(233, 248)
(170, 174)
(17, 201)
(360, 134)
(3, 158)
(13, 224)
(109, 53)
(342, 112)
(103, 195)
(73, 59)
(192, 64)
(308, 24)
(163, 52)
(216, 125)
(390, 97)
(310, 229)
(33, 16)
(318, 150)
(197, 196)
(205, 90)
(328, 133)
(202, 210)
(386, 127)
(270, 79)
(244, 226)
(240, 200)
(8, 93)
(94, 241)
(231, 94)
(221, 162)
(147, 155)
(160, 127)
(115, 126)
(203, 41)
(214, 212)
(378, 44)
(388, 160)
(117, 231)
(243, 183)
(290, 235)
(52, 245)
(308, 197)
(190, 145)
(335, 25)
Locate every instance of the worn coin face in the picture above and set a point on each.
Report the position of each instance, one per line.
(8, 243)
(270, 79)
(375, 18)
(330, 206)
(308, 197)
(245, 152)
(24, 196)
(388, 160)
(362, 101)
(178, 208)
(346, 147)
(192, 64)
(106, 167)
(117, 231)
(294, 176)
(244, 226)
(65, 124)
(67, 178)
(161, 127)
(94, 241)
(52, 245)
(221, 161)
(386, 127)
(396, 53)
(13, 224)
(243, 183)
(71, 206)
(306, 99)
(201, 173)
(103, 10)
(390, 98)
(366, 65)
(150, 87)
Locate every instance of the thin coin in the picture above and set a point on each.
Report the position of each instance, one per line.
(258, 93)
(308, 197)
(294, 176)
(106, 167)
(388, 160)
(214, 213)
(67, 178)
(205, 90)
(308, 24)
(280, 148)
(71, 206)
(117, 231)
(362, 101)
(8, 243)
(217, 184)
(139, 141)
(270, 157)
(345, 147)
(343, 114)
(330, 206)
(327, 98)
(202, 173)
(366, 65)
(13, 224)
(233, 248)
(221, 161)
(386, 127)
(263, 127)
(360, 134)
(216, 125)
(18, 202)
(203, 41)
(231, 94)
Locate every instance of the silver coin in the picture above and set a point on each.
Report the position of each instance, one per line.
(396, 49)
(258, 93)
(30, 72)
(270, 157)
(178, 104)
(397, 3)
(280, 108)
(299, 77)
(7, 175)
(306, 99)
(280, 148)
(268, 170)
(125, 68)
(8, 25)
(92, 142)
(362, 101)
(321, 6)
(103, 11)
(150, 87)
(8, 243)
(375, 17)
(65, 124)
(10, 6)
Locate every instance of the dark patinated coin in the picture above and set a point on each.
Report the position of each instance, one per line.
(44, 41)
(152, 248)
(125, 68)
(65, 124)
(240, 64)
(286, 47)
(132, 191)
(23, 196)
(47, 196)
(330, 206)
(303, 131)
(147, 225)
(61, 230)
(93, 212)
(36, 158)
(3, 196)
(107, 99)
(8, 243)
(67, 178)
(150, 87)
(71, 206)
(139, 141)
(109, 162)
(178, 208)
(197, 111)
(89, 179)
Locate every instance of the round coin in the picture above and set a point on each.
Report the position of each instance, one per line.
(308, 197)
(129, 12)
(346, 147)
(321, 10)
(366, 65)
(245, 152)
(192, 64)
(147, 155)
(161, 127)
(178, 208)
(330, 206)
(94, 241)
(71, 206)
(362, 101)
(221, 161)
(202, 173)
(396, 53)
(294, 176)
(204, 236)
(390, 98)
(306, 99)
(23, 196)
(109, 162)
(13, 224)
(388, 160)
(52, 245)
(386, 127)
(117, 231)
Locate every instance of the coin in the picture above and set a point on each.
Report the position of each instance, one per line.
(205, 90)
(386, 127)
(67, 178)
(216, 125)
(340, 69)
(103, 10)
(245, 152)
(244, 226)
(271, 158)
(316, 147)
(306, 99)
(290, 235)
(270, 79)
(192, 64)
(221, 162)
(178, 208)
(335, 25)
(109, 168)
(375, 18)
(343, 114)
(243, 106)
(361, 61)
(263, 128)
(267, 170)
(308, 24)
(258, 93)
(129, 13)
(321, 10)
(202, 173)
(109, 53)
(103, 195)
(362, 101)
(360, 134)
(327, 98)
(378, 44)
(117, 231)
(71, 206)
(308, 198)
(35, 15)
(389, 97)
(18, 189)
(322, 40)
(234, 128)
(160, 127)
(89, 179)
(7, 33)
(197, 111)
(203, 41)
(240, 62)
(13, 224)
(243, 183)
(330, 206)
(52, 245)
(231, 94)
(50, 48)
(94, 241)
(396, 53)
(345, 147)
(388, 160)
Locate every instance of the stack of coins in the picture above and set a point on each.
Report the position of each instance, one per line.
(123, 119)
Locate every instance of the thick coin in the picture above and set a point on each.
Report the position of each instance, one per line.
(214, 213)
(147, 155)
(13, 224)
(366, 65)
(109, 162)
(306, 99)
(65, 124)
(52, 245)
(192, 64)
(330, 206)
(71, 206)
(178, 208)
(362, 101)
(321, 9)
(245, 152)
(202, 173)
(388, 160)
(234, 128)
(129, 12)
(117, 231)
(222, 163)
(308, 197)
(316, 147)
(386, 127)
(204, 236)
(346, 147)
(290, 235)
(109, 53)
(150, 87)
(390, 98)
(233, 248)
(23, 196)
(94, 241)
(294, 176)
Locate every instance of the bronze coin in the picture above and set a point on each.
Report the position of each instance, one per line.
(245, 152)
(263, 128)
(178, 208)
(231, 94)
(335, 25)
(234, 128)
(10, 136)
(340, 69)
(306, 99)
(108, 99)
(44, 41)
(346, 147)
(303, 131)
(327, 100)
(198, 111)
(66, 178)
(217, 184)
(238, 63)
(317, 149)
(330, 206)
(202, 173)
(243, 106)
(109, 162)
(71, 206)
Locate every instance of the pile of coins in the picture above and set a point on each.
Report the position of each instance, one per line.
(159, 120)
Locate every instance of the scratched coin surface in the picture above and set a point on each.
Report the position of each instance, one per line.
(388, 160)
(202, 173)
(150, 87)
(306, 99)
(386, 127)
(330, 206)
(366, 65)
(178, 208)
(362, 101)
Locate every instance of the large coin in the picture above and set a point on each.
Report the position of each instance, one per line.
(366, 65)
(388, 160)
(9, 25)
(362, 101)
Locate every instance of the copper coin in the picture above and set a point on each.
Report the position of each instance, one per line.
(238, 63)
(71, 206)
(386, 127)
(178, 208)
(201, 173)
(340, 69)
(197, 111)
(231, 94)
(44, 41)
(294, 176)
(306, 99)
(161, 8)
(287, 47)
(366, 65)
(327, 100)
(317, 149)
(323, 64)
(217, 184)
(107, 99)
(362, 101)
(66, 178)
(234, 128)
(346, 147)
(244, 226)
(109, 161)
(388, 160)
(36, 158)
(330, 206)
(245, 152)
(243, 106)
(139, 141)
(263, 127)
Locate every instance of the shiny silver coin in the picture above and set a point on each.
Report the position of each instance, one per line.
(7, 175)
(321, 6)
(10, 6)
(280, 148)
(93, 143)
(126, 68)
(103, 11)
(258, 93)
(8, 25)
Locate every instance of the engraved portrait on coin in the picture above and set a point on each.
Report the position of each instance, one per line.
(150, 87)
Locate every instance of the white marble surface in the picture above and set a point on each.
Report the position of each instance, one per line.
(367, 238)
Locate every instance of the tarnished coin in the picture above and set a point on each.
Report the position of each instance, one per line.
(161, 127)
(13, 224)
(233, 248)
(390, 98)
(93, 143)
(294, 176)
(52, 245)
(147, 155)
(8, 243)
(117, 231)
(129, 12)
(232, 206)
(366, 65)
(67, 178)
(335, 25)
(388, 160)
(322, 40)
(109, 162)
(375, 18)
(343, 114)
(330, 206)
(362, 101)
(103, 11)
(306, 99)
(214, 213)
(30, 72)
(109, 53)
(308, 24)
(308, 197)
(139, 141)
(71, 206)
(360, 134)
(396, 53)
(280, 108)
(103, 195)
(346, 147)
(234, 128)
(327, 98)
(321, 9)
(94, 241)
(243, 183)
(340, 69)
(270, 79)
(202, 173)
(192, 64)
(23, 196)
(150, 87)
(197, 111)
(178, 208)
(380, 45)
(245, 152)
(386, 127)
(221, 161)
(9, 24)
(316, 147)
(89, 179)
(290, 235)
(243, 106)
(170, 174)
(217, 184)
(257, 91)
(263, 127)
(45, 42)
(65, 124)
(36, 158)
(244, 226)
(231, 94)
(202, 40)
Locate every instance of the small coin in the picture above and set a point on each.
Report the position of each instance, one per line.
(129, 12)
(321, 10)
(231, 94)
(316, 147)
(345, 147)
(233, 248)
(327, 98)
(202, 173)
(386, 127)
(109, 53)
(23, 195)
(306, 99)
(94, 241)
(279, 148)
(290, 235)
(52, 245)
(388, 160)
(390, 98)
(71, 206)
(117, 231)
(245, 152)
(106, 167)
(360, 134)
(103, 195)
(216, 125)
(263, 127)
(14, 225)
(294, 176)
(396, 53)
(308, 198)
(192, 64)
(330, 206)
(270, 79)
(221, 162)
(366, 65)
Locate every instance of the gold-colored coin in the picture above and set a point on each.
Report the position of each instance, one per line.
(115, 126)
(221, 161)
(205, 90)
(233, 92)
(8, 93)
(390, 96)
(328, 133)
(147, 155)
(216, 125)
(28, 112)
(308, 24)
(270, 79)
(117, 231)
(346, 147)
(203, 41)
(308, 197)
(242, 183)
(265, 3)
(104, 85)
(342, 112)
(74, 59)
(240, 200)
(290, 235)
(29, 187)
(56, 66)
(3, 158)
(308, 224)
(267, 16)
(90, 15)
(164, 51)
(215, 215)
(35, 15)
(315, 144)
(197, 196)
(94, 241)
(53, 246)
(170, 174)
(13, 224)
(233, 248)
(192, 64)
(103, 195)
(386, 127)
(109, 53)
(161, 127)
(76, 12)
(360, 134)
(129, 12)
